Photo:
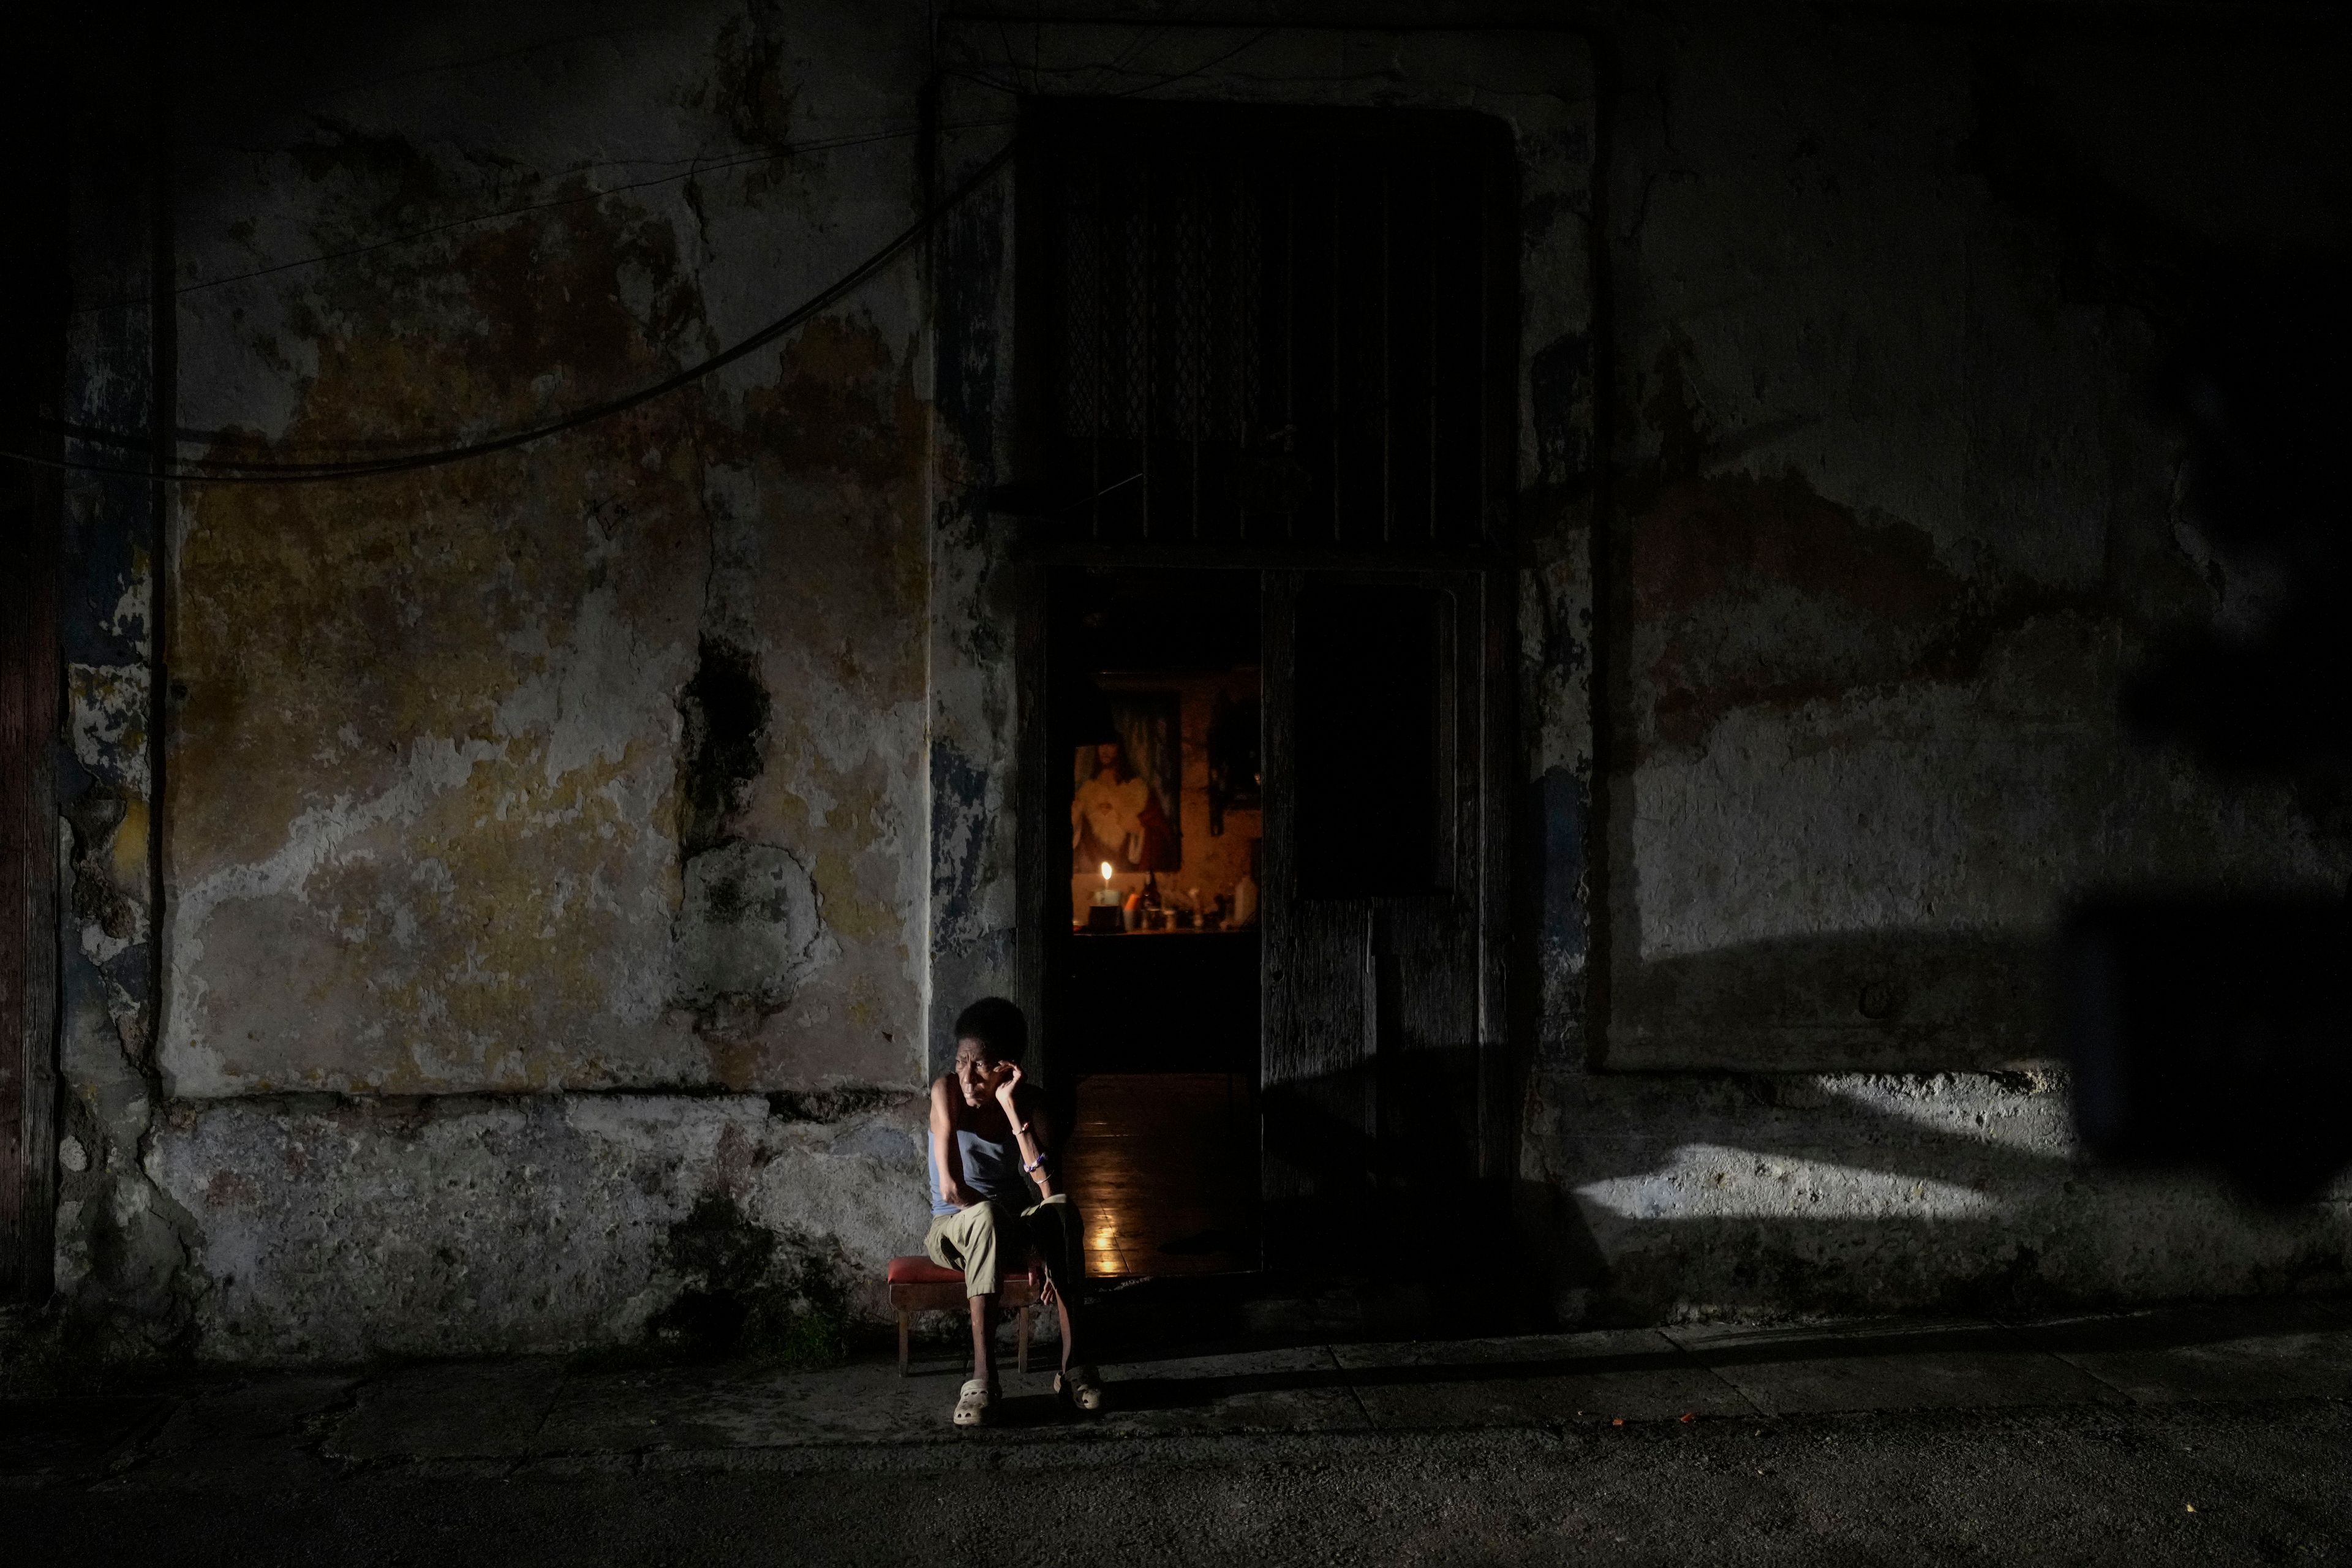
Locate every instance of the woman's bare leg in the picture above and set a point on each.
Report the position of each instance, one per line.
(983, 1338)
(1057, 1252)
(1053, 1271)
(1069, 1325)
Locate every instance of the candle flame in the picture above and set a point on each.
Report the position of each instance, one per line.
(1106, 873)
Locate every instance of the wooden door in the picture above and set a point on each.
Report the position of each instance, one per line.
(29, 695)
(1382, 985)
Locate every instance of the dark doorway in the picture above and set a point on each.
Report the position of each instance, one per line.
(1266, 439)
(33, 274)
(1152, 1000)
(1381, 1078)
(1266, 327)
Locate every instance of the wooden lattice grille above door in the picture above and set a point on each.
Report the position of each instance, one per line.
(1266, 327)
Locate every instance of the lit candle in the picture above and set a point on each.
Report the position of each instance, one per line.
(1107, 897)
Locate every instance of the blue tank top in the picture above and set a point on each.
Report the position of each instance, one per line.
(991, 1168)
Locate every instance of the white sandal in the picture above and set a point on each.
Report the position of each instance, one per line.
(1082, 1386)
(973, 1403)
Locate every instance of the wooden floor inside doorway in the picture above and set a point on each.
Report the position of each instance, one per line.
(1163, 1167)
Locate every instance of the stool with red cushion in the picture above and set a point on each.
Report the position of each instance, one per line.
(919, 1285)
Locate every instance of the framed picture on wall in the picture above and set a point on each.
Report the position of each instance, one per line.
(1127, 786)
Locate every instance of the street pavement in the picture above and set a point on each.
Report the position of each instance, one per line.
(2190, 1435)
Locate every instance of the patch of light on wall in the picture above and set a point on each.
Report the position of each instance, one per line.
(1715, 1181)
(1967, 1106)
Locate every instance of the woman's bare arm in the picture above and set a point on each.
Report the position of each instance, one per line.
(1029, 1134)
(945, 1158)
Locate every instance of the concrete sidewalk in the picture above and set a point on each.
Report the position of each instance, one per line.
(524, 1411)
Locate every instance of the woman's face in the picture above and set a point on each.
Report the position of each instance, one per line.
(978, 1075)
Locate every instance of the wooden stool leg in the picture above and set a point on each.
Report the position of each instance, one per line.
(1024, 1337)
(904, 1315)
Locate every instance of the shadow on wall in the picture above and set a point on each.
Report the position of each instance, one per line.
(1372, 1178)
(1684, 1197)
(1649, 1198)
(1886, 1001)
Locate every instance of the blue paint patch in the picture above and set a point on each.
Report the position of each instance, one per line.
(1563, 812)
(110, 521)
(1561, 651)
(1560, 382)
(104, 606)
(969, 277)
(959, 834)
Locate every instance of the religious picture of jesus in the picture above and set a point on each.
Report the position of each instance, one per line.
(1124, 808)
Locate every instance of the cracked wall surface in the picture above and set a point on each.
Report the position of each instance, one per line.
(338, 1232)
(122, 1246)
(1692, 1198)
(464, 798)
(569, 858)
(594, 766)
(1895, 516)
(1899, 516)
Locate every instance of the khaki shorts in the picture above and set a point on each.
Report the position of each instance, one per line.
(990, 1238)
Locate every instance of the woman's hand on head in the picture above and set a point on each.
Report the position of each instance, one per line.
(1011, 1081)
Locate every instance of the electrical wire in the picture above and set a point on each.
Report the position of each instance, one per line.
(1147, 37)
(1261, 36)
(1014, 87)
(216, 470)
(696, 169)
(208, 470)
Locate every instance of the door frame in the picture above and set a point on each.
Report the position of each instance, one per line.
(982, 755)
(1485, 698)
(1042, 881)
(31, 679)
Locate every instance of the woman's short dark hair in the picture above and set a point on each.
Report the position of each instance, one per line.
(996, 1026)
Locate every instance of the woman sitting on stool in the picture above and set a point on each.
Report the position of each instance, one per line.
(988, 1132)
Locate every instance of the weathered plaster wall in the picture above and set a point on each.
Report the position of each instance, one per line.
(1894, 516)
(120, 1243)
(587, 765)
(1898, 515)
(569, 858)
(595, 766)
(1678, 1198)
(337, 1231)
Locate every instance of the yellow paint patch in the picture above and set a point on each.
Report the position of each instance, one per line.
(126, 854)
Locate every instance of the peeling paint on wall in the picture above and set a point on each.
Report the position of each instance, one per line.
(960, 825)
(338, 1231)
(455, 747)
(571, 857)
(1898, 524)
(748, 933)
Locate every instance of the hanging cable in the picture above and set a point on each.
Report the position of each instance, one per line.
(229, 470)
(695, 169)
